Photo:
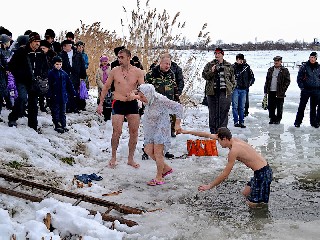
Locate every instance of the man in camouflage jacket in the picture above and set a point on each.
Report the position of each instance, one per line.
(163, 80)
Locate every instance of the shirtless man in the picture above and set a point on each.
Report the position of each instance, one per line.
(126, 78)
(257, 190)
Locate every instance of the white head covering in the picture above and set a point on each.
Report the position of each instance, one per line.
(149, 92)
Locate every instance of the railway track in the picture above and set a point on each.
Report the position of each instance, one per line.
(78, 198)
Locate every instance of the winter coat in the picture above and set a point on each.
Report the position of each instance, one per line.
(109, 96)
(50, 55)
(283, 81)
(163, 82)
(77, 71)
(85, 59)
(60, 87)
(243, 75)
(4, 54)
(309, 76)
(21, 69)
(178, 74)
(210, 77)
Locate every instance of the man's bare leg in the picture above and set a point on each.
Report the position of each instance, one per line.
(133, 124)
(117, 122)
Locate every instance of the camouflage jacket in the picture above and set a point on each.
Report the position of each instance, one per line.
(210, 76)
(163, 82)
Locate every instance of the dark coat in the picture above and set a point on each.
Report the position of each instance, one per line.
(77, 71)
(178, 74)
(309, 76)
(283, 81)
(20, 67)
(243, 75)
(60, 87)
(4, 54)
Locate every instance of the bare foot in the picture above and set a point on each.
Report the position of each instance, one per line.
(112, 163)
(134, 164)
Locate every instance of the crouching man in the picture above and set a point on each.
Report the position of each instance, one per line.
(257, 190)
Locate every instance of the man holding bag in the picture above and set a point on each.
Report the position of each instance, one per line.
(26, 65)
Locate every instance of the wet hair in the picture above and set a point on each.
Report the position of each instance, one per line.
(224, 132)
(126, 51)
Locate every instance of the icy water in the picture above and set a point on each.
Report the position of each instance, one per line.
(294, 155)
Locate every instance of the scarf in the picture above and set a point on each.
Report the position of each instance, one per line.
(105, 73)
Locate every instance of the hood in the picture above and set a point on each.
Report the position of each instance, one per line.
(149, 92)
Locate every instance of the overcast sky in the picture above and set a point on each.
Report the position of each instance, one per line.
(230, 21)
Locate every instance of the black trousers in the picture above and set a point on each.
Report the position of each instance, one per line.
(219, 106)
(314, 96)
(275, 107)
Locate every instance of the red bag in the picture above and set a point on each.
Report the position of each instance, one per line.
(199, 147)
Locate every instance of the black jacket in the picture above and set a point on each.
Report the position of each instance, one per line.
(21, 69)
(283, 81)
(77, 71)
(178, 74)
(243, 75)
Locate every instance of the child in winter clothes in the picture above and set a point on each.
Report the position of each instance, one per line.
(60, 87)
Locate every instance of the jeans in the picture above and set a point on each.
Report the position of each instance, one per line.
(238, 104)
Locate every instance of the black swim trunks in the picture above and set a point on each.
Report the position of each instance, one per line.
(260, 185)
(125, 108)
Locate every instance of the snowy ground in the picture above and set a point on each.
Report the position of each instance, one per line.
(184, 213)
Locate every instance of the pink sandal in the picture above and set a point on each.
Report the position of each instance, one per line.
(154, 182)
(167, 173)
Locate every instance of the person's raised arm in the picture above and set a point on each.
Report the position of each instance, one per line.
(222, 176)
(200, 134)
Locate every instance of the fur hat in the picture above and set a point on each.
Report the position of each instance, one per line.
(117, 50)
(34, 36)
(314, 54)
(4, 38)
(45, 43)
(56, 59)
(219, 50)
(50, 33)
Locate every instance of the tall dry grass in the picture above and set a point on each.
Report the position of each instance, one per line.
(147, 33)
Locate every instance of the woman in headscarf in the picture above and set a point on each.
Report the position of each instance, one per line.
(101, 77)
(156, 127)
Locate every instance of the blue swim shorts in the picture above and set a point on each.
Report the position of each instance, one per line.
(260, 185)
